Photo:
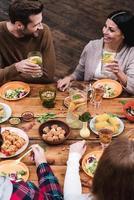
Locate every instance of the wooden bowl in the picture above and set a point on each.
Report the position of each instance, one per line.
(51, 135)
(126, 107)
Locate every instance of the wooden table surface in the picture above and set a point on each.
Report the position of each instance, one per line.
(57, 155)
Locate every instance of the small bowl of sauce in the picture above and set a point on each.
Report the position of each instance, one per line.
(27, 116)
(14, 120)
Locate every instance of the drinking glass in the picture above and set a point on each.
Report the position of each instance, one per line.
(107, 58)
(77, 106)
(105, 136)
(97, 96)
(47, 96)
(36, 58)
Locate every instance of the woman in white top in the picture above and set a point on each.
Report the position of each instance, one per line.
(114, 176)
(118, 43)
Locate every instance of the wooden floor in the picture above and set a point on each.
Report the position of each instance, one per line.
(73, 24)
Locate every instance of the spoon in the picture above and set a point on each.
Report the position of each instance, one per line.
(1, 138)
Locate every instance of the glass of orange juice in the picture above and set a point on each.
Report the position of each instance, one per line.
(105, 136)
(36, 58)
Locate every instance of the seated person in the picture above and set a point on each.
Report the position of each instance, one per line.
(109, 57)
(25, 33)
(113, 177)
(49, 188)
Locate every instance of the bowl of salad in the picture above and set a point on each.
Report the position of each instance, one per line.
(14, 90)
(90, 162)
(128, 109)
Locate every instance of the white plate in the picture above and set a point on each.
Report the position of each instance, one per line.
(8, 112)
(20, 133)
(121, 128)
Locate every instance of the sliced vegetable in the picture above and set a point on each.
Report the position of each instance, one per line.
(91, 164)
(109, 91)
(15, 93)
(45, 117)
(16, 176)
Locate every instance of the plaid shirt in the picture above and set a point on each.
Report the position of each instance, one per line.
(49, 188)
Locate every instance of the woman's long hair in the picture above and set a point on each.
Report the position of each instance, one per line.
(114, 177)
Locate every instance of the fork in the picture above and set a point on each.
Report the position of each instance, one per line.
(19, 159)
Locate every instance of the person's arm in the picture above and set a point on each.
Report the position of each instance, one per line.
(80, 69)
(48, 53)
(49, 187)
(7, 73)
(116, 69)
(72, 183)
(63, 84)
(126, 78)
(129, 71)
(48, 183)
(78, 74)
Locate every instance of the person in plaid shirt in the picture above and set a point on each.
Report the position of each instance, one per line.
(49, 188)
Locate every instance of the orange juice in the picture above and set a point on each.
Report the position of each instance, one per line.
(107, 57)
(35, 57)
(105, 136)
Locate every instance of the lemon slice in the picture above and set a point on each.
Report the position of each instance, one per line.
(36, 60)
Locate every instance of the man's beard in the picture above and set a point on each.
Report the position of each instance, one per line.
(26, 33)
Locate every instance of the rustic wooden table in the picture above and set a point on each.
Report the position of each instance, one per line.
(57, 155)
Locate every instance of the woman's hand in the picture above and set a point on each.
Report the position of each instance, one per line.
(78, 147)
(62, 84)
(38, 154)
(113, 67)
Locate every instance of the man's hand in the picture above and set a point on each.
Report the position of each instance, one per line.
(26, 67)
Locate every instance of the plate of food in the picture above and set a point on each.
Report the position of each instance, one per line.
(5, 112)
(15, 142)
(111, 87)
(17, 171)
(108, 121)
(77, 97)
(90, 162)
(14, 90)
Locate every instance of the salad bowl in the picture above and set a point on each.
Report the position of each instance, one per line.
(14, 90)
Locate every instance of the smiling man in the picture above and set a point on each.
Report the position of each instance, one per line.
(25, 33)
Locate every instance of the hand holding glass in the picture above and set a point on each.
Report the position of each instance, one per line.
(36, 58)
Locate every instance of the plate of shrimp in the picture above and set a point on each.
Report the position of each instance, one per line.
(15, 142)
